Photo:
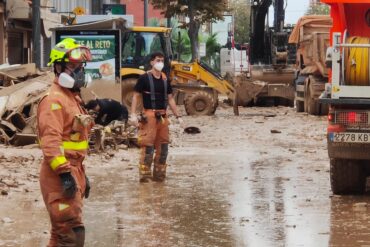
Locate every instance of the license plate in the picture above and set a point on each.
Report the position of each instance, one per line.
(350, 137)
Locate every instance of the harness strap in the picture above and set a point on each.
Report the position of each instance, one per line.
(152, 91)
(165, 92)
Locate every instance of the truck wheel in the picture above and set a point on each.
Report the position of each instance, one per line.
(347, 176)
(313, 106)
(127, 93)
(200, 103)
(215, 99)
(299, 106)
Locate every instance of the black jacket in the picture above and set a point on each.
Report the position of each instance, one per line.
(110, 110)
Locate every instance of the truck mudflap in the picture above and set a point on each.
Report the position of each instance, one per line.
(348, 150)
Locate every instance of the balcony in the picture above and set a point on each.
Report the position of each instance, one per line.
(21, 13)
(21, 10)
(18, 9)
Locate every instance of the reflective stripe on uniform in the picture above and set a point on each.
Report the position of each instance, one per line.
(55, 106)
(58, 161)
(83, 145)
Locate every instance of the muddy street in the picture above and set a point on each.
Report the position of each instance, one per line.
(260, 179)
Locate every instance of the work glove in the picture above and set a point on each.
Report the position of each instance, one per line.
(68, 184)
(181, 122)
(133, 120)
(87, 188)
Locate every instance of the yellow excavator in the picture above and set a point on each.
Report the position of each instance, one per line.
(196, 85)
(122, 55)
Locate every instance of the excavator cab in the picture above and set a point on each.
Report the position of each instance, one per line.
(195, 84)
(139, 42)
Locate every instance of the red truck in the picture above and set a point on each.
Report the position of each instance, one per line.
(348, 96)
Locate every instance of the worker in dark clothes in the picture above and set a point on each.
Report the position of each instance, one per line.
(107, 110)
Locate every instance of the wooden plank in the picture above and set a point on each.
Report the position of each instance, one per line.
(19, 70)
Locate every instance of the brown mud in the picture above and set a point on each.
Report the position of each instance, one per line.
(260, 179)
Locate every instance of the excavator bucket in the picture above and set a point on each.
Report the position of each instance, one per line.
(252, 91)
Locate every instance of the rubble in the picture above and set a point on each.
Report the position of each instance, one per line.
(117, 135)
(22, 88)
(13, 74)
(273, 131)
(7, 220)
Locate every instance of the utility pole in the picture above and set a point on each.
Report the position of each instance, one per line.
(145, 12)
(36, 34)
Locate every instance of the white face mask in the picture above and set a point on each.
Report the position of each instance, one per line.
(67, 81)
(158, 66)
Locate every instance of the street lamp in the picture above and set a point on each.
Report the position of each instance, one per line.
(145, 12)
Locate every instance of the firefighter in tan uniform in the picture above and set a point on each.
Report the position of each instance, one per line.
(156, 92)
(63, 127)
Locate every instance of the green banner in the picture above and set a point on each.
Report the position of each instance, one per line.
(103, 50)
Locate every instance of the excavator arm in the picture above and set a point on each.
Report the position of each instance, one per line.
(267, 43)
(259, 10)
(200, 74)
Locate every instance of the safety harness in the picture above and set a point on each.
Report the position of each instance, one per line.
(152, 92)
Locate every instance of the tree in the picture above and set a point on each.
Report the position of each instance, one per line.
(179, 39)
(318, 9)
(198, 12)
(213, 48)
(180, 42)
(241, 11)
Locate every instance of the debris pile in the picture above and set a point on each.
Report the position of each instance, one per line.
(22, 88)
(117, 135)
(13, 74)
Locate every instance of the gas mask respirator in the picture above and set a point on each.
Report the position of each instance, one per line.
(77, 80)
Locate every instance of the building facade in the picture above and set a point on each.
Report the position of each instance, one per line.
(16, 23)
(3, 39)
(136, 8)
(16, 30)
(91, 7)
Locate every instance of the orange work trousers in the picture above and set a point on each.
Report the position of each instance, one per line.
(65, 214)
(153, 135)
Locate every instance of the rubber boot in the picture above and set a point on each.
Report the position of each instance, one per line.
(146, 161)
(80, 236)
(145, 173)
(159, 172)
